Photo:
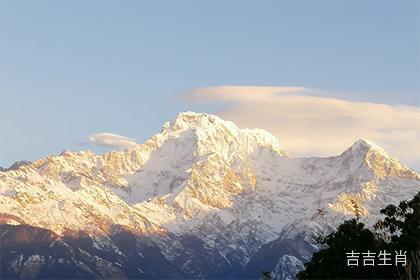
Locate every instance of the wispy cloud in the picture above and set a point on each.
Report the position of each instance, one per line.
(235, 93)
(112, 140)
(311, 125)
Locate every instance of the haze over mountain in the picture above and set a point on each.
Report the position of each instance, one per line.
(203, 198)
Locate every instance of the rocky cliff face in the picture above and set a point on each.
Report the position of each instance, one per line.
(204, 192)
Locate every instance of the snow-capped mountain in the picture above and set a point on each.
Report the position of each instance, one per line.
(211, 199)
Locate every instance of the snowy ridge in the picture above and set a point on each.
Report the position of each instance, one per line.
(205, 177)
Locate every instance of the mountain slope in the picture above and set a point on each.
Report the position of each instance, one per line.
(231, 190)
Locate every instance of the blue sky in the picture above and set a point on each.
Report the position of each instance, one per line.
(72, 69)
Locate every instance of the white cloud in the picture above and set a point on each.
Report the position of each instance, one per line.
(309, 125)
(112, 140)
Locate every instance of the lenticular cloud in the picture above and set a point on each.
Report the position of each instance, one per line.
(310, 125)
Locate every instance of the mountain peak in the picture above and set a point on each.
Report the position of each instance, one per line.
(212, 131)
(189, 119)
(377, 159)
(193, 115)
(16, 165)
(362, 148)
(366, 145)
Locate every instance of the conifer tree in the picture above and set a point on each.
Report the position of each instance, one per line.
(399, 230)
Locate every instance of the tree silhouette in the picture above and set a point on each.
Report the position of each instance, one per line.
(399, 230)
(356, 209)
(331, 262)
